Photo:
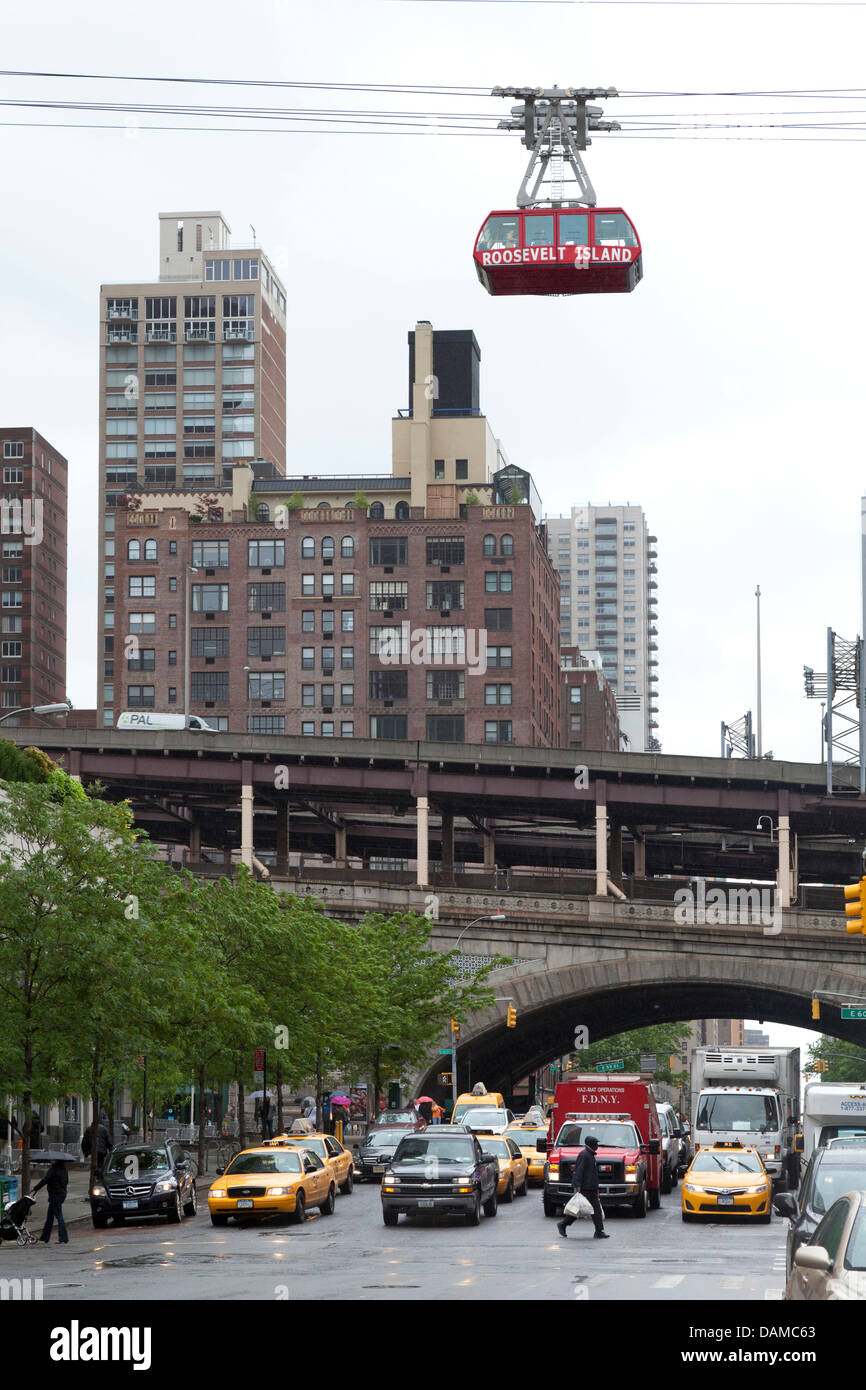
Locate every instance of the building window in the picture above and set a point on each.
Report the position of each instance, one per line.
(266, 641)
(327, 547)
(308, 658)
(327, 728)
(575, 723)
(497, 694)
(263, 512)
(327, 586)
(446, 550)
(210, 598)
(210, 555)
(327, 696)
(445, 593)
(445, 641)
(445, 685)
(141, 696)
(308, 694)
(438, 468)
(377, 511)
(141, 623)
(575, 694)
(266, 554)
(347, 620)
(500, 657)
(262, 598)
(308, 729)
(445, 728)
(347, 658)
(401, 511)
(461, 470)
(497, 619)
(489, 545)
(506, 545)
(12, 574)
(389, 550)
(11, 648)
(347, 584)
(388, 725)
(10, 675)
(498, 581)
(144, 661)
(327, 622)
(16, 475)
(389, 685)
(388, 594)
(172, 620)
(347, 548)
(267, 685)
(308, 548)
(308, 620)
(209, 685)
(142, 586)
(347, 694)
(267, 724)
(308, 585)
(13, 448)
(347, 728)
(497, 731)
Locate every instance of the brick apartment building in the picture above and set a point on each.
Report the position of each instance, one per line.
(589, 713)
(33, 527)
(424, 608)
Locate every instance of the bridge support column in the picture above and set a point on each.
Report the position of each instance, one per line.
(490, 848)
(282, 836)
(247, 814)
(601, 839)
(340, 846)
(447, 847)
(195, 842)
(615, 852)
(639, 855)
(422, 851)
(784, 877)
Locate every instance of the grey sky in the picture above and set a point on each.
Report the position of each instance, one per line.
(723, 395)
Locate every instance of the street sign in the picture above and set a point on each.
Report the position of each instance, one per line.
(445, 1052)
(610, 1066)
(648, 1061)
(259, 1059)
(853, 1011)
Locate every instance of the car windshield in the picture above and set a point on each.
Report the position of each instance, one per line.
(709, 1161)
(278, 1161)
(736, 1110)
(492, 1144)
(855, 1255)
(527, 1138)
(397, 1117)
(317, 1145)
(613, 1136)
(379, 1137)
(419, 1149)
(832, 1181)
(479, 1118)
(133, 1162)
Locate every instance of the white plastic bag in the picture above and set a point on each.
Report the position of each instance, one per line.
(577, 1206)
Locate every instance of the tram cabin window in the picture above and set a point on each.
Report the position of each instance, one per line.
(613, 229)
(539, 231)
(499, 232)
(573, 229)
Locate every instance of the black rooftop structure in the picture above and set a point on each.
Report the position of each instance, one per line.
(457, 368)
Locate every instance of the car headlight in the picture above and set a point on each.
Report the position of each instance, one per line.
(277, 1191)
(218, 1191)
(97, 1191)
(553, 1170)
(167, 1185)
(631, 1171)
(762, 1187)
(691, 1187)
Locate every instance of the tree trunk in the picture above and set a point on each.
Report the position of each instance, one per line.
(377, 1083)
(111, 1113)
(201, 1119)
(320, 1118)
(280, 1126)
(242, 1100)
(94, 1123)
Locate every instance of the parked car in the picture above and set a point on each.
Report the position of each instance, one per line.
(448, 1174)
(144, 1180)
(832, 1265)
(670, 1145)
(687, 1148)
(832, 1171)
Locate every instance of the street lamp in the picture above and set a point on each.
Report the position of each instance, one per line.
(190, 569)
(59, 708)
(487, 917)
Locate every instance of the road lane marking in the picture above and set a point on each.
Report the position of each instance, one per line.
(771, 1294)
(668, 1281)
(733, 1281)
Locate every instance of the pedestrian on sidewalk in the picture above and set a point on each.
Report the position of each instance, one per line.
(265, 1115)
(103, 1145)
(56, 1181)
(585, 1180)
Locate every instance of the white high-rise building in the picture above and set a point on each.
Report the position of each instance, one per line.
(606, 558)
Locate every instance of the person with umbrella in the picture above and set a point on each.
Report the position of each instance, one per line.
(339, 1110)
(424, 1106)
(56, 1181)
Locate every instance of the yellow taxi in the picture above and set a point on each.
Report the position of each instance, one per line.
(512, 1164)
(329, 1150)
(272, 1182)
(526, 1138)
(728, 1178)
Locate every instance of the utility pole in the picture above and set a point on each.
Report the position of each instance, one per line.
(758, 708)
(861, 674)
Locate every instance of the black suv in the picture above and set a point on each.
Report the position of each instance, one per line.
(445, 1173)
(144, 1180)
(832, 1172)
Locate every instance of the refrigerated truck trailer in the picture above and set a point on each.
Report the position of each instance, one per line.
(832, 1110)
(750, 1094)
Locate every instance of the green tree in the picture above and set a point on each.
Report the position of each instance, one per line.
(845, 1062)
(359, 501)
(664, 1040)
(295, 502)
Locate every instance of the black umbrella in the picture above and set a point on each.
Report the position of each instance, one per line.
(51, 1156)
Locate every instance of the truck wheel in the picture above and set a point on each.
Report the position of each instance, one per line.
(550, 1208)
(655, 1200)
(491, 1206)
(473, 1217)
(641, 1206)
(390, 1217)
(666, 1182)
(675, 1177)
(99, 1221)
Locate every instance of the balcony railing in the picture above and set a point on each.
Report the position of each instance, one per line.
(131, 313)
(238, 329)
(497, 513)
(199, 335)
(162, 335)
(122, 335)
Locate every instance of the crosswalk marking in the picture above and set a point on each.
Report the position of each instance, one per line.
(668, 1281)
(777, 1294)
(733, 1281)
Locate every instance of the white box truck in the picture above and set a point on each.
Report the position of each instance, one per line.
(149, 721)
(832, 1110)
(752, 1095)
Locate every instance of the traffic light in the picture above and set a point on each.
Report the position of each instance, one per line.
(511, 1017)
(821, 1065)
(855, 898)
(455, 1029)
(816, 1007)
(672, 1063)
(569, 1064)
(444, 1078)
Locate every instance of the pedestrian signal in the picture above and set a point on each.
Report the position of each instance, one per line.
(855, 910)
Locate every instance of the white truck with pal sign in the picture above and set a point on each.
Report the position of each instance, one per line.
(752, 1095)
(149, 721)
(832, 1110)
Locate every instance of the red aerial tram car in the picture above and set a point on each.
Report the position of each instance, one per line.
(568, 250)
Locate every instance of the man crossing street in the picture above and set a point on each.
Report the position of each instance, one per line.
(585, 1180)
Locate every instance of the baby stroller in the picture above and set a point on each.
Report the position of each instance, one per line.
(14, 1223)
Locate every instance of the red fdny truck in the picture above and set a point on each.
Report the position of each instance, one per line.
(622, 1114)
